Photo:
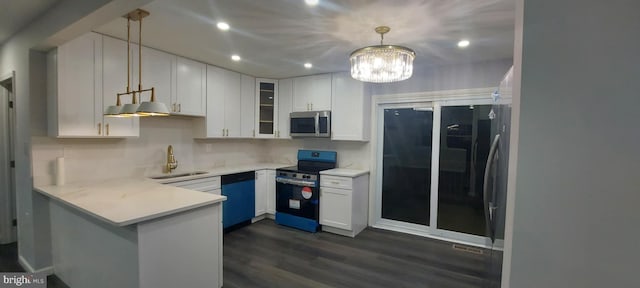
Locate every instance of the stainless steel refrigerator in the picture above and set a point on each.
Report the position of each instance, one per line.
(495, 178)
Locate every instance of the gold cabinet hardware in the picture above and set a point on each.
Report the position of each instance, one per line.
(173, 107)
(179, 107)
(99, 128)
(107, 128)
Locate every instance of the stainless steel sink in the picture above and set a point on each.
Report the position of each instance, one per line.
(179, 175)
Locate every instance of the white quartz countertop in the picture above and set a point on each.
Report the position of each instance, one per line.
(128, 201)
(344, 172)
(123, 202)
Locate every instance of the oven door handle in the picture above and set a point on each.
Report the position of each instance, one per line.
(296, 182)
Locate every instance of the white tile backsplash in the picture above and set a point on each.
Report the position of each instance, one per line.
(93, 159)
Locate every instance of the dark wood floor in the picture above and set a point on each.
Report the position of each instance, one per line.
(267, 255)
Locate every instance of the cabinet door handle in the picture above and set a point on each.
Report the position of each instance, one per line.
(311, 106)
(179, 107)
(173, 107)
(107, 127)
(222, 131)
(99, 128)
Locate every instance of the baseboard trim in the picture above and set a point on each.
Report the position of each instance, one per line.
(27, 267)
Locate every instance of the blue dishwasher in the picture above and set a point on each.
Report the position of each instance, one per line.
(240, 190)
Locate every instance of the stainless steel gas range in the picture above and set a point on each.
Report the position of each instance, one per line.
(298, 190)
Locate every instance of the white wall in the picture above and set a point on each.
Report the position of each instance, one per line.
(577, 191)
(459, 76)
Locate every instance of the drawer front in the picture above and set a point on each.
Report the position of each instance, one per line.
(199, 184)
(336, 182)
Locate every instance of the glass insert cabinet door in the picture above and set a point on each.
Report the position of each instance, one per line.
(406, 165)
(266, 106)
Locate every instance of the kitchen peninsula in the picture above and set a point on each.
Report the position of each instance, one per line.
(135, 233)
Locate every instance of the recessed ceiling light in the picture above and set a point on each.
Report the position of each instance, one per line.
(224, 26)
(312, 2)
(308, 65)
(235, 57)
(463, 43)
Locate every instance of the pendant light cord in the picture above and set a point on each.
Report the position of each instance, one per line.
(140, 54)
(128, 53)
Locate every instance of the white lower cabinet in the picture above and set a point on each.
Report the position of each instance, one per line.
(265, 192)
(271, 191)
(261, 192)
(335, 210)
(344, 202)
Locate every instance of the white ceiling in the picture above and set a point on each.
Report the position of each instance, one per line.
(274, 38)
(15, 14)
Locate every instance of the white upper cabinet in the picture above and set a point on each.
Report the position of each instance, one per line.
(285, 105)
(114, 80)
(266, 108)
(214, 121)
(190, 88)
(158, 71)
(73, 82)
(83, 79)
(351, 109)
(312, 93)
(232, 104)
(223, 113)
(247, 106)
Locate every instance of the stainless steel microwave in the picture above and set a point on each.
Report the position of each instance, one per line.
(310, 124)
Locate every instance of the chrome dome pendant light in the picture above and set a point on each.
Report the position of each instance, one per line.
(382, 63)
(147, 108)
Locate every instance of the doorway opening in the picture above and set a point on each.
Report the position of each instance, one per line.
(8, 219)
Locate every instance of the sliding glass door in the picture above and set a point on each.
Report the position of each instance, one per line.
(432, 157)
(406, 165)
